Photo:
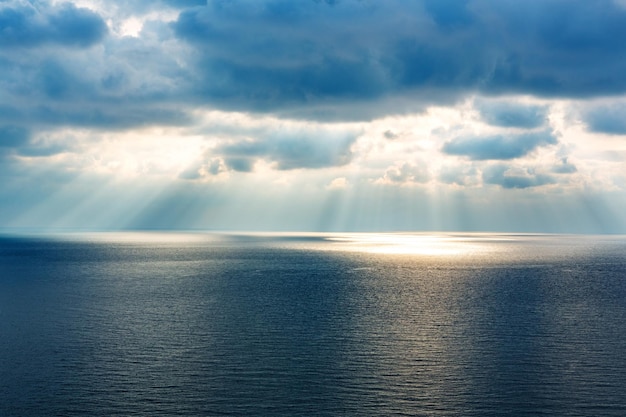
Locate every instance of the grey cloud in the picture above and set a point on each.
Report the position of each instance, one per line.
(388, 134)
(13, 136)
(502, 175)
(325, 60)
(272, 55)
(512, 115)
(214, 167)
(275, 55)
(501, 147)
(128, 82)
(609, 119)
(114, 117)
(290, 150)
(183, 3)
(57, 82)
(38, 24)
(52, 91)
(240, 164)
(111, 118)
(17, 140)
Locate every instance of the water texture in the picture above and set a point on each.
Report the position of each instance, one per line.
(288, 325)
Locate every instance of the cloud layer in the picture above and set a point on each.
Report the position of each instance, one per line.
(24, 25)
(272, 54)
(364, 108)
(499, 147)
(309, 59)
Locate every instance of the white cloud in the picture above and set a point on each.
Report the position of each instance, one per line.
(338, 184)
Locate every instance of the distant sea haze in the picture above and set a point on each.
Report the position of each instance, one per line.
(161, 324)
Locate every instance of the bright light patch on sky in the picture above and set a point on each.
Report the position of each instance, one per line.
(313, 115)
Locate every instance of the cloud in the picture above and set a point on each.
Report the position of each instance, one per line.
(240, 164)
(406, 173)
(272, 55)
(505, 114)
(118, 117)
(324, 60)
(388, 134)
(13, 136)
(128, 82)
(17, 140)
(564, 167)
(459, 175)
(27, 25)
(206, 167)
(339, 183)
(183, 3)
(609, 119)
(501, 147)
(110, 118)
(285, 149)
(450, 14)
(512, 177)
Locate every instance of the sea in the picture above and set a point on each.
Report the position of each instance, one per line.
(391, 324)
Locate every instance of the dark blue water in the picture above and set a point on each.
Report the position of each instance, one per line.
(301, 325)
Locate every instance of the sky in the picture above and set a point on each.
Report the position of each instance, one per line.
(313, 115)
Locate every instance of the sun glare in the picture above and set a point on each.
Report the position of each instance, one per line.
(407, 244)
(149, 152)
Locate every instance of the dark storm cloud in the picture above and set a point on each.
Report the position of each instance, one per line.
(290, 151)
(500, 175)
(24, 26)
(501, 147)
(512, 114)
(609, 119)
(266, 55)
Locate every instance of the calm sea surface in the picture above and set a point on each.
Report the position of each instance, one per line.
(289, 325)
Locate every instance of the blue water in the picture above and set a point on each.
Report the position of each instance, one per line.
(288, 325)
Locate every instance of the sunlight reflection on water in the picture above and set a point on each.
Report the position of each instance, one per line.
(410, 244)
(286, 324)
(431, 244)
